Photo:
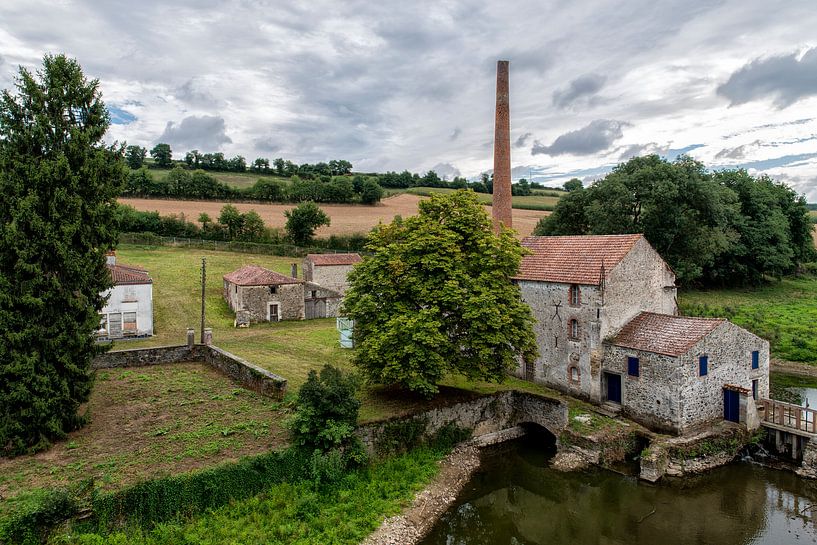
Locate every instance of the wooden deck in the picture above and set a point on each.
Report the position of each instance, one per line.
(787, 417)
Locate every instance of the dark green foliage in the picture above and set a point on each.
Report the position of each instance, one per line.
(437, 298)
(58, 185)
(303, 220)
(370, 192)
(573, 184)
(135, 156)
(163, 155)
(327, 410)
(400, 435)
(30, 520)
(721, 228)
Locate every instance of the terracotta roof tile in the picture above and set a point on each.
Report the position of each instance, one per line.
(320, 260)
(573, 259)
(253, 275)
(664, 333)
(126, 274)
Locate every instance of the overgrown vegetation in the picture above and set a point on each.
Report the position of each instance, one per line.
(436, 298)
(58, 183)
(783, 312)
(721, 228)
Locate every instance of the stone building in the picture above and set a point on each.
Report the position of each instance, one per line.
(128, 311)
(264, 295)
(257, 294)
(588, 293)
(674, 372)
(330, 270)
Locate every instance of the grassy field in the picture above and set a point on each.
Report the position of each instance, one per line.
(783, 312)
(545, 202)
(234, 179)
(148, 422)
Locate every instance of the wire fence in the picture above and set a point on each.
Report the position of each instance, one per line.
(288, 250)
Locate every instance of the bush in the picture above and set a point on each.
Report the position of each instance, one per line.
(33, 517)
(303, 220)
(327, 410)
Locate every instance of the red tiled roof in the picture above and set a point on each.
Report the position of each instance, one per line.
(320, 260)
(253, 275)
(664, 333)
(573, 259)
(127, 274)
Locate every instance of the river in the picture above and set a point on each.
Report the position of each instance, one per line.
(516, 499)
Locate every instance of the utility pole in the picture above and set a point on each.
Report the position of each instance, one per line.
(203, 284)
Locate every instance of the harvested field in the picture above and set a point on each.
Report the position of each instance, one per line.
(346, 218)
(151, 421)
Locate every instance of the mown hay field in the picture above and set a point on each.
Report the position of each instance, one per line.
(347, 219)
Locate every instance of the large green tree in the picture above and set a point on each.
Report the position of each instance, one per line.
(163, 155)
(303, 220)
(436, 297)
(58, 185)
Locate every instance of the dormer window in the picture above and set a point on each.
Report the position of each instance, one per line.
(574, 296)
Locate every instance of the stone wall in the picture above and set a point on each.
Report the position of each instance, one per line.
(729, 349)
(315, 293)
(484, 416)
(641, 282)
(653, 398)
(333, 277)
(256, 299)
(250, 376)
(558, 351)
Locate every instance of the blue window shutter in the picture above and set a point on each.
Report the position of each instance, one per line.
(632, 366)
(755, 359)
(703, 365)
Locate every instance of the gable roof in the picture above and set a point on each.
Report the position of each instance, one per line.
(322, 260)
(574, 259)
(664, 333)
(254, 275)
(128, 275)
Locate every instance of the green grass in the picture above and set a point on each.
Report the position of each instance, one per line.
(239, 180)
(784, 312)
(545, 202)
(296, 513)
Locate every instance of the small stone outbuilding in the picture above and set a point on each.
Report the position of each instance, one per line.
(330, 270)
(675, 373)
(267, 296)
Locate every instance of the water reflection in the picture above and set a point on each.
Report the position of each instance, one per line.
(516, 499)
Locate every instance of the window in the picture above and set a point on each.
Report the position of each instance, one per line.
(755, 359)
(573, 329)
(573, 374)
(273, 290)
(754, 389)
(633, 366)
(129, 321)
(574, 296)
(703, 365)
(314, 294)
(272, 312)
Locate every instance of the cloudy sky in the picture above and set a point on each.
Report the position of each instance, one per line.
(408, 85)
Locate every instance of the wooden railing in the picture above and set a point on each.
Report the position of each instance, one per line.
(787, 415)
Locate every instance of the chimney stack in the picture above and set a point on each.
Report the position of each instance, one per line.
(501, 204)
(294, 270)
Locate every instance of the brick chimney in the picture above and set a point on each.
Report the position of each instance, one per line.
(501, 205)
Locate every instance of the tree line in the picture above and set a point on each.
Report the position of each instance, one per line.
(197, 184)
(713, 228)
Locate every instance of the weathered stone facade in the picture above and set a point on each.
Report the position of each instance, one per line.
(257, 300)
(641, 281)
(332, 277)
(320, 302)
(670, 395)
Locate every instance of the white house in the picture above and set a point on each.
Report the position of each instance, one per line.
(129, 310)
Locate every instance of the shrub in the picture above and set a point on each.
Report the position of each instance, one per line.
(303, 220)
(327, 410)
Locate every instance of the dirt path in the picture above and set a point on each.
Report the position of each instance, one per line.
(346, 218)
(793, 368)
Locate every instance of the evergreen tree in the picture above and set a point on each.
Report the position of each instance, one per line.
(58, 185)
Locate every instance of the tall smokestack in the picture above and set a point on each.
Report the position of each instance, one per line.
(501, 208)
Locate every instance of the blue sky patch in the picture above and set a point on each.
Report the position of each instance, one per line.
(120, 116)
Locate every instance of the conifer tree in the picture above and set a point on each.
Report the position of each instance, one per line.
(58, 184)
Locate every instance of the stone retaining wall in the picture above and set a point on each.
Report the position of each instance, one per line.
(250, 376)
